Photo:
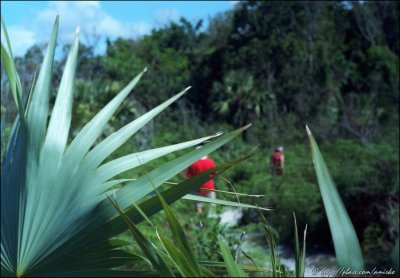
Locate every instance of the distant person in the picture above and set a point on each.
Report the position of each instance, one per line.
(203, 164)
(278, 161)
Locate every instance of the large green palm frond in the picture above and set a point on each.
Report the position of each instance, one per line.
(56, 219)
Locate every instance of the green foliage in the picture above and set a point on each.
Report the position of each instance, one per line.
(178, 256)
(234, 270)
(151, 253)
(375, 241)
(333, 65)
(238, 101)
(278, 270)
(299, 257)
(170, 66)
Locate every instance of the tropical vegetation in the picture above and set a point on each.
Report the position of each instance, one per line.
(73, 182)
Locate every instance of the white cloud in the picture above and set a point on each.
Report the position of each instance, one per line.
(89, 15)
(20, 39)
(166, 15)
(140, 28)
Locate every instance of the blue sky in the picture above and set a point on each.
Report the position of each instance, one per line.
(30, 22)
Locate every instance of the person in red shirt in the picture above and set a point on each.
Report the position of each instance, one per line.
(201, 165)
(278, 161)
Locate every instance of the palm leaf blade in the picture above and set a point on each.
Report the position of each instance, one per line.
(141, 187)
(112, 142)
(347, 246)
(92, 130)
(11, 71)
(149, 250)
(60, 120)
(131, 161)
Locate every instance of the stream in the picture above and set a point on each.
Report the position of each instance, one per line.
(317, 260)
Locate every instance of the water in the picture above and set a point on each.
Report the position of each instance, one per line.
(316, 261)
(230, 217)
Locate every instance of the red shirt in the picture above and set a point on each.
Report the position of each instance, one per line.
(199, 167)
(276, 159)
